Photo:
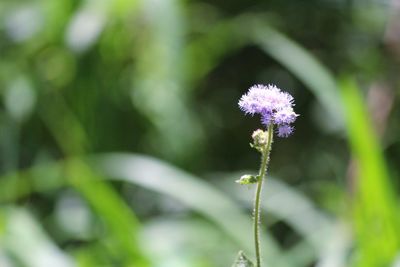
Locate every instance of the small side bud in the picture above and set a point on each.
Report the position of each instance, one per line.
(242, 261)
(247, 179)
(260, 139)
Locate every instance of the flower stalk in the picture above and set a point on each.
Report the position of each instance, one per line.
(257, 201)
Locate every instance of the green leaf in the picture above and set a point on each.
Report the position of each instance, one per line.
(247, 179)
(164, 80)
(26, 241)
(375, 204)
(285, 203)
(242, 261)
(200, 196)
(121, 222)
(154, 175)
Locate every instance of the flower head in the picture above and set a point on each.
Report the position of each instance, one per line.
(274, 106)
(285, 116)
(285, 130)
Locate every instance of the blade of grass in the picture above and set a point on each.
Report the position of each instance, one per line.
(165, 236)
(158, 81)
(192, 191)
(41, 178)
(375, 207)
(299, 212)
(97, 14)
(24, 239)
(204, 53)
(119, 219)
(157, 176)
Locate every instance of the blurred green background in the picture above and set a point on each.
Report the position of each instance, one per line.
(121, 138)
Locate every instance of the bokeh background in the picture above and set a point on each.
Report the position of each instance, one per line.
(121, 138)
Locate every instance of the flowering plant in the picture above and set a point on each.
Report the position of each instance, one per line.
(276, 110)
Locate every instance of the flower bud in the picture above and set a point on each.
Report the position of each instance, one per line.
(260, 139)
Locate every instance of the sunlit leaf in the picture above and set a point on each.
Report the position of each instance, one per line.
(158, 90)
(25, 240)
(192, 191)
(375, 206)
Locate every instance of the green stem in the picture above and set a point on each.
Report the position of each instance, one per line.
(257, 201)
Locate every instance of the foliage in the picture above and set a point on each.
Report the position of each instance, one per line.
(121, 139)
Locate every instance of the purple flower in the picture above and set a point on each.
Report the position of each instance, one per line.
(274, 106)
(284, 130)
(285, 116)
(267, 118)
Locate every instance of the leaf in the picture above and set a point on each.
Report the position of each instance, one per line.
(164, 80)
(26, 241)
(287, 204)
(200, 196)
(242, 261)
(247, 179)
(121, 222)
(157, 176)
(375, 204)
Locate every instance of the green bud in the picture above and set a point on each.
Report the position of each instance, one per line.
(247, 179)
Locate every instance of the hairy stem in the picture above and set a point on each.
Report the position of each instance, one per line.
(257, 201)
